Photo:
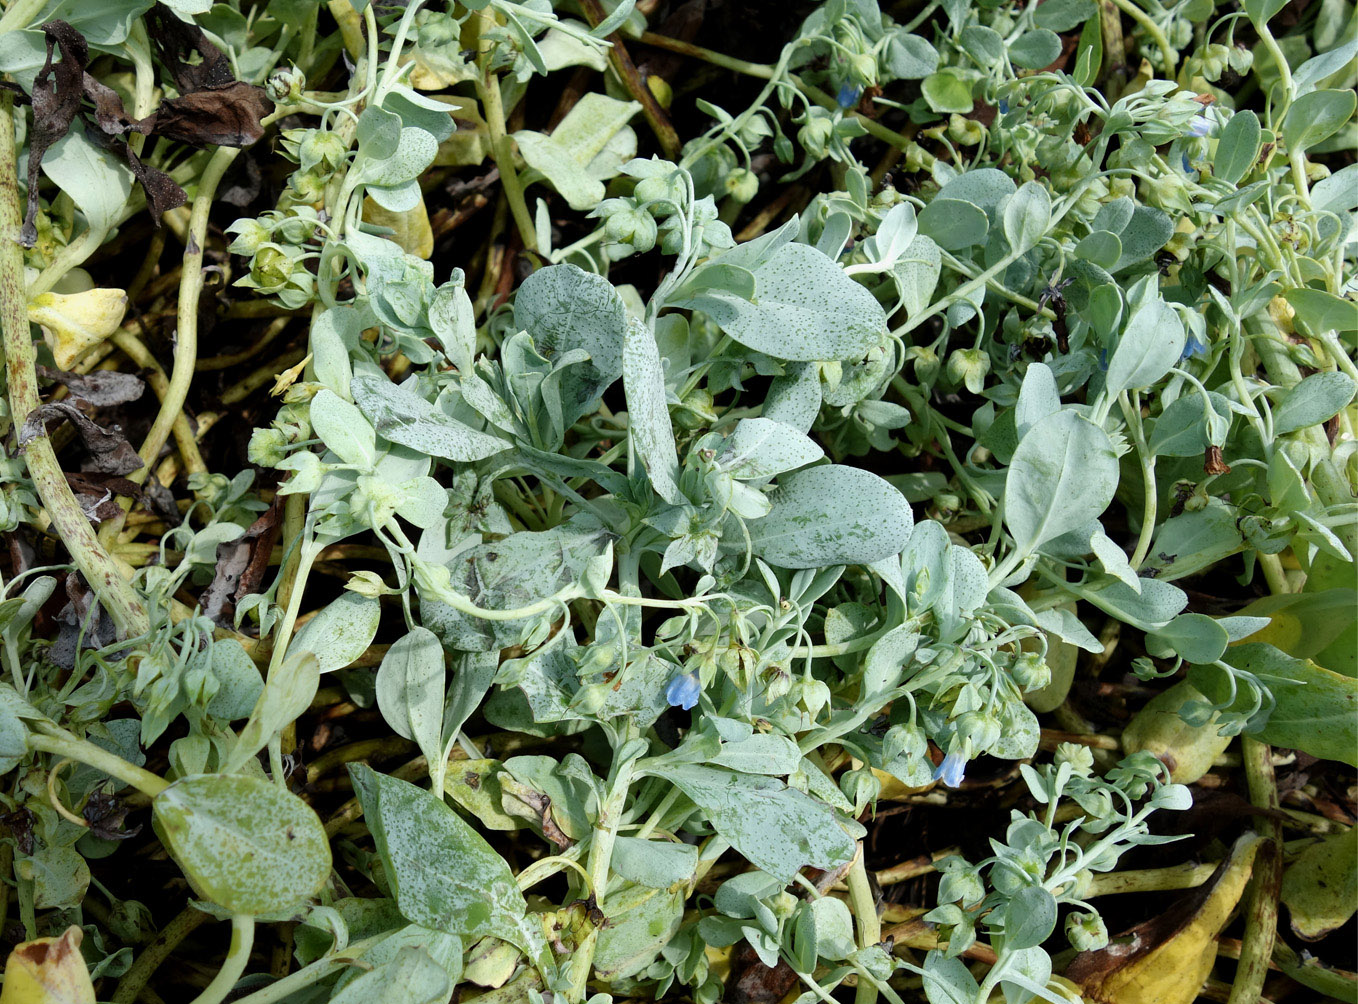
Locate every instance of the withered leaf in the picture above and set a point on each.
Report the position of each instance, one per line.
(106, 814)
(228, 115)
(175, 40)
(102, 387)
(98, 494)
(110, 452)
(241, 565)
(56, 99)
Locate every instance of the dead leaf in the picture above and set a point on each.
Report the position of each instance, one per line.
(1166, 959)
(175, 40)
(241, 564)
(228, 115)
(1320, 888)
(56, 99)
(110, 452)
(102, 387)
(98, 494)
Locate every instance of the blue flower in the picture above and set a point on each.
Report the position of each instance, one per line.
(1193, 346)
(848, 94)
(1188, 168)
(683, 691)
(1004, 107)
(952, 768)
(1199, 125)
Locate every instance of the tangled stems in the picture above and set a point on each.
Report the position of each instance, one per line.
(101, 571)
(501, 146)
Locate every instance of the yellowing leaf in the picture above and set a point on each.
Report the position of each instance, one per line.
(470, 142)
(588, 147)
(1320, 888)
(1169, 956)
(48, 971)
(76, 322)
(412, 230)
(1187, 750)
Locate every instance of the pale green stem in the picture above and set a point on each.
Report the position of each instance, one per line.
(237, 957)
(1150, 501)
(864, 906)
(1153, 30)
(65, 744)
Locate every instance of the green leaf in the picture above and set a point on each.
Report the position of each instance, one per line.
(343, 429)
(573, 158)
(657, 864)
(832, 515)
(1102, 247)
(1148, 230)
(1237, 147)
(804, 309)
(402, 416)
(946, 91)
(1320, 888)
(1029, 918)
(1196, 638)
(1319, 312)
(564, 308)
(341, 632)
(1315, 117)
(94, 180)
(777, 828)
(1027, 215)
(443, 874)
(648, 415)
(953, 224)
(1315, 709)
(244, 843)
(763, 448)
(410, 690)
(411, 977)
(1316, 399)
(1151, 344)
(287, 693)
(1035, 50)
(1064, 15)
(1063, 474)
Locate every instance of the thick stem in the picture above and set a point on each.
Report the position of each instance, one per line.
(64, 744)
(1261, 912)
(130, 986)
(100, 570)
(501, 145)
(237, 957)
(864, 906)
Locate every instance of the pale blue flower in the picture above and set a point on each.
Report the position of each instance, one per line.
(1004, 107)
(1199, 125)
(683, 691)
(848, 94)
(952, 768)
(1193, 346)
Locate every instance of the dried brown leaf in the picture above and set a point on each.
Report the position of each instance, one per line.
(110, 452)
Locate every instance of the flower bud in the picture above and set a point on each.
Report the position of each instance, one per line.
(1031, 672)
(635, 227)
(1080, 758)
(981, 727)
(285, 85)
(965, 131)
(969, 367)
(659, 189)
(271, 268)
(1086, 932)
(250, 236)
(742, 185)
(815, 135)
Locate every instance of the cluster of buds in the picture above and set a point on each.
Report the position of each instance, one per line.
(655, 212)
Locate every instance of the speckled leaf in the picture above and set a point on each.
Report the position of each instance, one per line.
(244, 843)
(564, 307)
(778, 829)
(648, 416)
(402, 416)
(1151, 343)
(832, 515)
(762, 448)
(805, 308)
(410, 690)
(343, 429)
(1063, 474)
(341, 632)
(443, 874)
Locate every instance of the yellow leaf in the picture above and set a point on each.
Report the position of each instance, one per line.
(411, 227)
(1169, 957)
(1187, 750)
(48, 971)
(1321, 886)
(76, 322)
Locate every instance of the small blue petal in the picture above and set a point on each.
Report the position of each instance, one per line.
(683, 691)
(848, 94)
(1004, 107)
(1187, 166)
(952, 768)
(1199, 125)
(1103, 360)
(1194, 346)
